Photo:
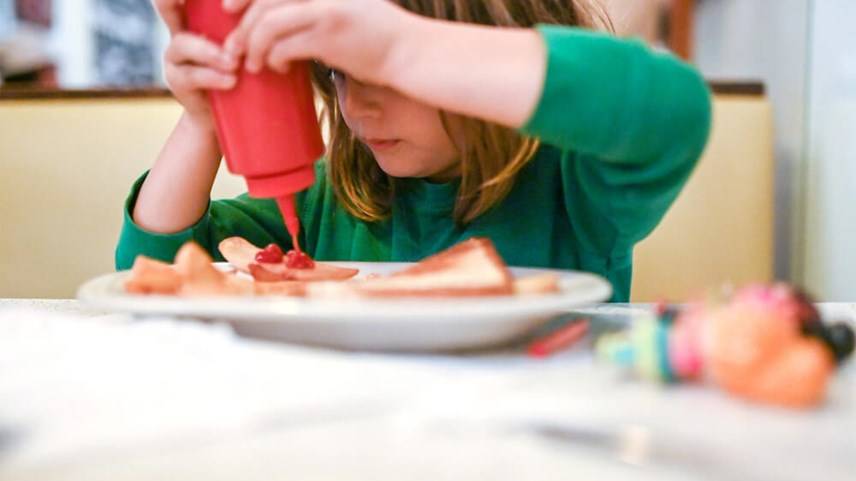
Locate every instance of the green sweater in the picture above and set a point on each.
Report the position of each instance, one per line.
(621, 128)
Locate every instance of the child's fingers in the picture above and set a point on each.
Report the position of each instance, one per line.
(285, 21)
(186, 48)
(170, 12)
(297, 47)
(258, 9)
(236, 41)
(235, 5)
(190, 77)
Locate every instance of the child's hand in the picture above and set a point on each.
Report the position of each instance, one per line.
(193, 64)
(356, 36)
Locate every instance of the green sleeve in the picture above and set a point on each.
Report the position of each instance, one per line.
(631, 125)
(257, 220)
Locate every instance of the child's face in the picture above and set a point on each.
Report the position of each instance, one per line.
(406, 137)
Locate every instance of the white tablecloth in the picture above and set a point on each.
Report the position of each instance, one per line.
(92, 396)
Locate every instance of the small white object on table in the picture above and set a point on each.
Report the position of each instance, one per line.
(92, 396)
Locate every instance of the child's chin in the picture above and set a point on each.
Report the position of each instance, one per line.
(400, 171)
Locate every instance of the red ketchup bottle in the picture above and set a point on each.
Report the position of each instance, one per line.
(267, 124)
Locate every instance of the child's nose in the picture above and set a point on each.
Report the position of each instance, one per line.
(362, 101)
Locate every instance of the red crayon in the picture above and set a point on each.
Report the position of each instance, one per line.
(560, 339)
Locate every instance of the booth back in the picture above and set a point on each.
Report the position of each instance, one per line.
(66, 166)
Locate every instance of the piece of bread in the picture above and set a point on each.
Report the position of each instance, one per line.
(149, 276)
(238, 252)
(537, 284)
(471, 268)
(199, 277)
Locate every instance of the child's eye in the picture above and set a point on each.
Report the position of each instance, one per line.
(337, 75)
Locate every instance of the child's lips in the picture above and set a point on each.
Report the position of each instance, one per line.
(381, 145)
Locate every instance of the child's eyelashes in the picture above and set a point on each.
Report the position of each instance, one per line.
(337, 75)
(334, 75)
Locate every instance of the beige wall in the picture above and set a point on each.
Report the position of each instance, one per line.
(66, 166)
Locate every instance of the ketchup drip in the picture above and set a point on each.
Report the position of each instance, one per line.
(295, 258)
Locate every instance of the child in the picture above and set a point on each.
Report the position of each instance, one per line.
(562, 145)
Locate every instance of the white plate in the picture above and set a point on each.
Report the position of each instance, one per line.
(367, 324)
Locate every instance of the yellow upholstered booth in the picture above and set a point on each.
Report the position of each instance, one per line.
(720, 230)
(66, 165)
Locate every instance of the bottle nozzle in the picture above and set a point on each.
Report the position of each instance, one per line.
(288, 208)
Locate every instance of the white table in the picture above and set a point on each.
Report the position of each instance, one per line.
(90, 396)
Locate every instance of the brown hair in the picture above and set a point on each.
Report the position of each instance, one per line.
(491, 155)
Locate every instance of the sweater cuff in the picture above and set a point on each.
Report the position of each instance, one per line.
(135, 240)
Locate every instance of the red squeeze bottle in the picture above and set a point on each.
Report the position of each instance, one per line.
(267, 125)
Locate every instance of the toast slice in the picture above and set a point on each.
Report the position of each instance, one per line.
(471, 268)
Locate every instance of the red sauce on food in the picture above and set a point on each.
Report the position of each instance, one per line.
(271, 254)
(296, 259)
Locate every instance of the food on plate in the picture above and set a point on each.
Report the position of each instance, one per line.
(194, 275)
(471, 268)
(149, 276)
(271, 265)
(536, 284)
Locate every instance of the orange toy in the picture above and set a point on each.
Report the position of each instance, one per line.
(758, 355)
(766, 344)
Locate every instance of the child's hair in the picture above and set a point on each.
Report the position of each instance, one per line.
(490, 155)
